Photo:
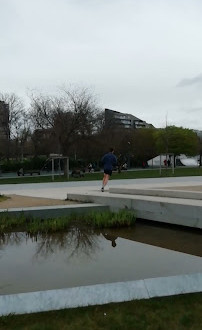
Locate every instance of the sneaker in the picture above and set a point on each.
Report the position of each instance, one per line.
(102, 189)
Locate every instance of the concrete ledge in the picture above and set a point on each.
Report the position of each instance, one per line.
(99, 294)
(178, 212)
(54, 211)
(196, 195)
(172, 285)
(168, 212)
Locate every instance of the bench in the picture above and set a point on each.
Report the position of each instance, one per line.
(77, 174)
(28, 172)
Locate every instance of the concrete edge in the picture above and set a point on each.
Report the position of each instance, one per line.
(54, 211)
(41, 301)
(157, 192)
(166, 211)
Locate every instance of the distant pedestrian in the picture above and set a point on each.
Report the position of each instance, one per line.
(20, 172)
(109, 160)
(90, 167)
(119, 163)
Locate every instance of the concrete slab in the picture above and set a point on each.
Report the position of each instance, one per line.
(46, 212)
(178, 211)
(168, 286)
(160, 207)
(99, 294)
(173, 193)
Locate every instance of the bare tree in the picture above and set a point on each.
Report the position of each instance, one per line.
(69, 117)
(43, 110)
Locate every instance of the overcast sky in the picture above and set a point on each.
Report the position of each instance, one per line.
(142, 57)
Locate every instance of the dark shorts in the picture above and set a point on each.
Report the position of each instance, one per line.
(109, 172)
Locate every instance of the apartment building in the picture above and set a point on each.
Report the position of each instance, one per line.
(4, 121)
(124, 120)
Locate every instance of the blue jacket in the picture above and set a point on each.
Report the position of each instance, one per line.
(109, 161)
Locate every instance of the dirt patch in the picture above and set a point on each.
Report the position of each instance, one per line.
(15, 201)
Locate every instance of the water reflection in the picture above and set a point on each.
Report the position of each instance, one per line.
(83, 240)
(77, 241)
(109, 236)
(177, 238)
(13, 238)
(84, 256)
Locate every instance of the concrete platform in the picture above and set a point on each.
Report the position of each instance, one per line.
(185, 192)
(41, 301)
(170, 200)
(164, 202)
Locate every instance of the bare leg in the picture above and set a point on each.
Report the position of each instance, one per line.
(105, 180)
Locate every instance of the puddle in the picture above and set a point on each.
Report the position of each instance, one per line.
(84, 256)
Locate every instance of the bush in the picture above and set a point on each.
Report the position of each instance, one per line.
(35, 163)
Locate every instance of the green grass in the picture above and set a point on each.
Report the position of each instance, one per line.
(138, 174)
(36, 226)
(168, 313)
(3, 198)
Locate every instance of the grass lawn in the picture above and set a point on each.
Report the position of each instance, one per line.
(3, 198)
(169, 313)
(137, 174)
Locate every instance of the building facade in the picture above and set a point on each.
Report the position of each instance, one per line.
(118, 119)
(4, 121)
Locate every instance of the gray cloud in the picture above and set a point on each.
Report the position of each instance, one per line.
(190, 81)
(196, 109)
(132, 52)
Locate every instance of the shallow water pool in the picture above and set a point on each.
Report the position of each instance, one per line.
(83, 256)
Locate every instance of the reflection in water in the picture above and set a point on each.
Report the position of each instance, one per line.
(84, 256)
(11, 239)
(14, 238)
(77, 241)
(84, 240)
(177, 238)
(110, 237)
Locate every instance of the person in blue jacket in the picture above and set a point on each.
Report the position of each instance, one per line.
(109, 160)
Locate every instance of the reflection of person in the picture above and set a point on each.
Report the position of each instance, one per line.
(109, 160)
(111, 238)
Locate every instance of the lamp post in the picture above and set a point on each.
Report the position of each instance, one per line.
(128, 154)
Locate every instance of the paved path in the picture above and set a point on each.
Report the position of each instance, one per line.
(50, 189)
(153, 199)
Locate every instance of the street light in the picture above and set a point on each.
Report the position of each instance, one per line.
(129, 154)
